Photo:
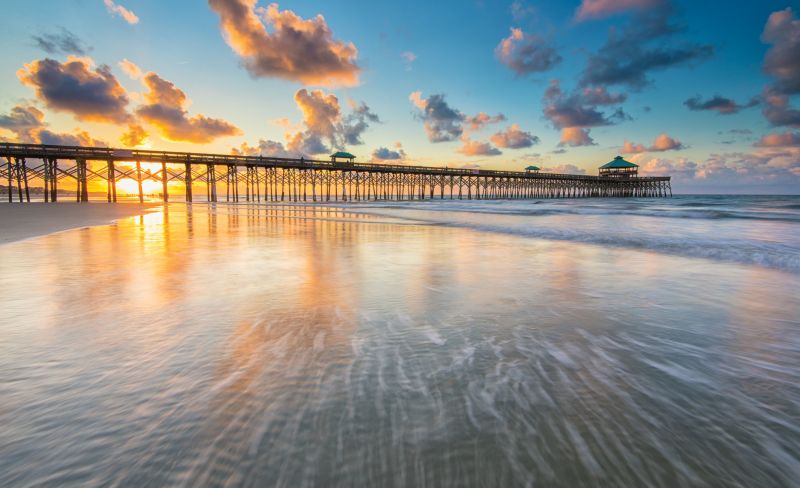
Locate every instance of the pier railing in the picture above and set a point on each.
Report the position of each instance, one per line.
(287, 179)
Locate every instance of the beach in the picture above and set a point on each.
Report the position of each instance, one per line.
(19, 221)
(556, 343)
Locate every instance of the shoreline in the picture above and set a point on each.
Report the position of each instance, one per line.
(35, 219)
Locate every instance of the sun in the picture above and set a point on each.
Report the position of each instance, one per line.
(127, 186)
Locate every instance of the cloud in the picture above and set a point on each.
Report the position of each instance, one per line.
(579, 109)
(680, 169)
(386, 154)
(165, 108)
(662, 143)
(777, 110)
(597, 9)
(520, 10)
(786, 139)
(293, 48)
(568, 169)
(28, 125)
(768, 170)
(266, 148)
(78, 138)
(482, 119)
(720, 104)
(357, 122)
(575, 136)
(408, 59)
(514, 138)
(477, 148)
(324, 123)
(62, 42)
(782, 60)
(91, 95)
(321, 112)
(526, 53)
(442, 123)
(134, 136)
(630, 54)
(470, 166)
(116, 9)
(22, 120)
(305, 143)
(131, 69)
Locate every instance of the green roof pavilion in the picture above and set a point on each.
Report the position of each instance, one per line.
(619, 168)
(532, 169)
(342, 155)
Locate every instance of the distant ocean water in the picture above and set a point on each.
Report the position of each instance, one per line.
(747, 229)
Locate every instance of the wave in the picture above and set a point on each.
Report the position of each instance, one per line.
(717, 246)
(777, 256)
(548, 208)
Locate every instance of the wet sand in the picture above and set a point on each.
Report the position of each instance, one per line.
(18, 222)
(302, 346)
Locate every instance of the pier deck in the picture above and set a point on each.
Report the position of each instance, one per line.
(285, 179)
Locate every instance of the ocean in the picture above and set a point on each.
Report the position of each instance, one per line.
(597, 342)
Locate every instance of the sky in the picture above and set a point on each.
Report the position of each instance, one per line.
(703, 91)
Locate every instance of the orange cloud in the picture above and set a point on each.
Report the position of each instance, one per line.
(134, 136)
(477, 148)
(293, 49)
(91, 95)
(787, 139)
(166, 110)
(662, 143)
(514, 138)
(321, 111)
(131, 69)
(575, 136)
(126, 14)
(482, 119)
(597, 9)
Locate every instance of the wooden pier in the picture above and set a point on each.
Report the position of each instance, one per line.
(257, 178)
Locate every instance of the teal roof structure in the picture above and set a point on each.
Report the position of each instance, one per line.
(618, 162)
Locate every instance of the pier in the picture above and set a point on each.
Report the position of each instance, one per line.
(263, 178)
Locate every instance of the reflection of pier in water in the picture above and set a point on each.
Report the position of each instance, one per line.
(283, 179)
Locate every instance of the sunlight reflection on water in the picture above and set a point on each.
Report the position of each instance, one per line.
(312, 346)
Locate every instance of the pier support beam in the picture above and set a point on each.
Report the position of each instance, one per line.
(111, 179)
(10, 181)
(139, 181)
(187, 177)
(164, 181)
(54, 180)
